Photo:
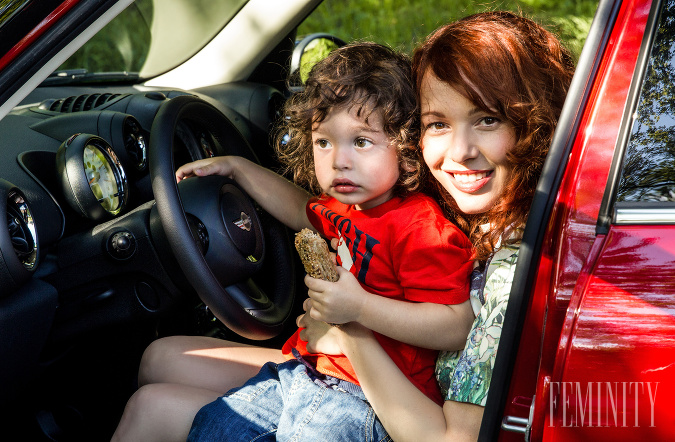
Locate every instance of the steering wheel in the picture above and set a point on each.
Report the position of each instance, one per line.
(224, 244)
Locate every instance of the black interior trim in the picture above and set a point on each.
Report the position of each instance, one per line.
(542, 206)
(29, 15)
(83, 14)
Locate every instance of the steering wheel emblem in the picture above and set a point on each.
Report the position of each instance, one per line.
(244, 222)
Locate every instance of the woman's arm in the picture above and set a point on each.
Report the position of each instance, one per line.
(406, 413)
(426, 325)
(281, 198)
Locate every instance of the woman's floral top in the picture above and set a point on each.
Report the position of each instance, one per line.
(465, 376)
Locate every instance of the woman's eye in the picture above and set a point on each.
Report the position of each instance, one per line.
(362, 143)
(489, 121)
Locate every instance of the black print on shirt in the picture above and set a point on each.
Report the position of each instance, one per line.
(360, 247)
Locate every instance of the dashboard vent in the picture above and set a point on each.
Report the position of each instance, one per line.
(21, 227)
(79, 103)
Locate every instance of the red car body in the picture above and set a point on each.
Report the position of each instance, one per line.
(597, 350)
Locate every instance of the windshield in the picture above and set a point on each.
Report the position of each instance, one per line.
(149, 40)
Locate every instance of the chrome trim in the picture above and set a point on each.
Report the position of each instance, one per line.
(244, 222)
(515, 424)
(520, 425)
(656, 215)
(23, 211)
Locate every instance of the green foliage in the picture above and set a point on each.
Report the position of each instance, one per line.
(404, 23)
(123, 44)
(649, 164)
(316, 51)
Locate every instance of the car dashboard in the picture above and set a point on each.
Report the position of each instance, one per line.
(79, 248)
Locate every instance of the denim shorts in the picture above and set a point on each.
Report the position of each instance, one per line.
(284, 402)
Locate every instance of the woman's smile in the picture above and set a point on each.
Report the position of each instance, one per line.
(470, 181)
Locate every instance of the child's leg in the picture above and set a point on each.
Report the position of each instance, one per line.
(248, 413)
(284, 403)
(312, 413)
(178, 376)
(203, 362)
(161, 412)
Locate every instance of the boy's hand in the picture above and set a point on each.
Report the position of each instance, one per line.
(320, 337)
(211, 166)
(336, 302)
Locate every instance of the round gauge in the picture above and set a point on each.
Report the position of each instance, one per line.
(92, 178)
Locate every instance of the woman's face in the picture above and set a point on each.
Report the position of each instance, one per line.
(464, 146)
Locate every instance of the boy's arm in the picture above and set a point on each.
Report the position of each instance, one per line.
(427, 325)
(281, 198)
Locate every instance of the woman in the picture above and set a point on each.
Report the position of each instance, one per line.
(490, 87)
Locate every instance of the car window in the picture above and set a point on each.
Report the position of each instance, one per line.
(648, 172)
(153, 39)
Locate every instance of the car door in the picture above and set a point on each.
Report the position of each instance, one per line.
(617, 346)
(589, 342)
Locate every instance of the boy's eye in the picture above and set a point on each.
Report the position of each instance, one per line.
(434, 126)
(322, 144)
(362, 143)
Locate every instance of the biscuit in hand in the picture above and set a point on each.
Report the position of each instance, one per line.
(315, 256)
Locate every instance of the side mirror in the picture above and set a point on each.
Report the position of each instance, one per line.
(308, 51)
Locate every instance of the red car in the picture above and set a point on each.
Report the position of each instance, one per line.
(94, 267)
(590, 348)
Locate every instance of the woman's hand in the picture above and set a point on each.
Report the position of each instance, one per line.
(320, 337)
(336, 302)
(211, 166)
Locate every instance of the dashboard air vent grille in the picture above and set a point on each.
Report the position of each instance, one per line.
(79, 103)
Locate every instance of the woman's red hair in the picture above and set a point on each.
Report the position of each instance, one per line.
(509, 64)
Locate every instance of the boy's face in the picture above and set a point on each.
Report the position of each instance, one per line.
(355, 162)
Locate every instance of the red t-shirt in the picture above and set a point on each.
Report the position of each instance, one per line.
(403, 249)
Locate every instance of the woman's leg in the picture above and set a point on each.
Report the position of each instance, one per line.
(203, 362)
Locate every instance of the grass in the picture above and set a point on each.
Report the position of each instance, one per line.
(404, 23)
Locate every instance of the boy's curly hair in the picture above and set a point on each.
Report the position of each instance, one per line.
(369, 76)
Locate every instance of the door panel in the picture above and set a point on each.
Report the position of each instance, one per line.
(615, 381)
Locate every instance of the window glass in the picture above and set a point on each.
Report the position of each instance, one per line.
(648, 173)
(153, 36)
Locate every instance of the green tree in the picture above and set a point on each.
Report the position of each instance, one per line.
(649, 164)
(404, 23)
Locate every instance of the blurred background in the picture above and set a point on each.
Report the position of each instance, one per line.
(404, 23)
(122, 46)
